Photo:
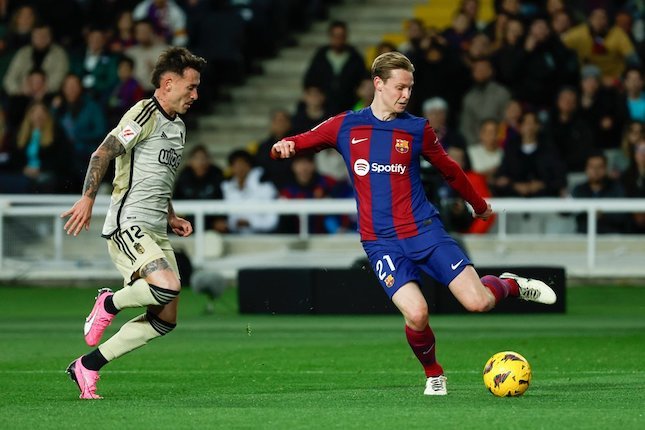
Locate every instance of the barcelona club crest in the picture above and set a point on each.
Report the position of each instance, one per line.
(402, 146)
(389, 281)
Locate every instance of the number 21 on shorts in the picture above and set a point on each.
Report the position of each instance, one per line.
(382, 270)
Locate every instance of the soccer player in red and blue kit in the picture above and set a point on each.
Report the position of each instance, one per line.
(400, 230)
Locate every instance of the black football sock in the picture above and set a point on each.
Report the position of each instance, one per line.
(108, 304)
(94, 360)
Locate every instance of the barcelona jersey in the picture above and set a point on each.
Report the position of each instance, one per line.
(383, 161)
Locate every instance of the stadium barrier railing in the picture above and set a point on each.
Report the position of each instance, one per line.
(53, 205)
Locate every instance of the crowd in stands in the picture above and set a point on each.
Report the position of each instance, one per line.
(69, 69)
(545, 100)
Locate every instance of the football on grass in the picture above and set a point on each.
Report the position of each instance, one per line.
(507, 374)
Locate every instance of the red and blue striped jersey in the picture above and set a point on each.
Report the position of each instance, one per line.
(383, 161)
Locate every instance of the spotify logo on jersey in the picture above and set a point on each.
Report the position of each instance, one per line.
(361, 167)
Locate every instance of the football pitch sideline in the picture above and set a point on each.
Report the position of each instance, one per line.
(231, 371)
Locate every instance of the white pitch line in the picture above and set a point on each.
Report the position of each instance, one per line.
(317, 372)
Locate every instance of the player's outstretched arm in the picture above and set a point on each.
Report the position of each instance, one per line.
(81, 213)
(180, 226)
(283, 149)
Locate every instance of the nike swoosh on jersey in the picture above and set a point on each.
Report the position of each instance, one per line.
(355, 141)
(457, 264)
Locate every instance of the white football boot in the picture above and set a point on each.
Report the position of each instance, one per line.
(436, 386)
(532, 290)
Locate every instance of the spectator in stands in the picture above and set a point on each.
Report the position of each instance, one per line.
(338, 69)
(34, 90)
(310, 111)
(496, 29)
(415, 34)
(65, 18)
(509, 127)
(307, 183)
(568, 132)
(460, 32)
(597, 43)
(123, 33)
(634, 96)
(441, 73)
(43, 153)
(145, 53)
(632, 134)
(480, 47)
(247, 185)
(486, 99)
(486, 156)
(18, 35)
(200, 180)
(561, 22)
(601, 109)
(95, 65)
(512, 8)
(470, 8)
(83, 121)
(633, 181)
(530, 167)
(42, 54)
(280, 126)
(168, 19)
(506, 57)
(125, 93)
(435, 110)
(365, 94)
(600, 186)
(545, 65)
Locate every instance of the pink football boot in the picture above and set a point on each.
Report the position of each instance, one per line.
(98, 320)
(85, 379)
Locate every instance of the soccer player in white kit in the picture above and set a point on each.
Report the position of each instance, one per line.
(147, 147)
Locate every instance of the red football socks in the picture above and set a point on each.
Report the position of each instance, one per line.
(501, 288)
(423, 345)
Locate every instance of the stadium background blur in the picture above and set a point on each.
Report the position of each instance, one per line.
(522, 94)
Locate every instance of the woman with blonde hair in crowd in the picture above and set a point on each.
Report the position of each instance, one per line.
(42, 151)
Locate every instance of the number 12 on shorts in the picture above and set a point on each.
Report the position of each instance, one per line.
(380, 266)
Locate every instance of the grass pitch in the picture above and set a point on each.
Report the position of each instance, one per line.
(229, 371)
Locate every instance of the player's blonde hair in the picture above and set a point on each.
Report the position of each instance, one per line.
(385, 63)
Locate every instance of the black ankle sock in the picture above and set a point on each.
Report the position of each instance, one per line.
(108, 304)
(94, 360)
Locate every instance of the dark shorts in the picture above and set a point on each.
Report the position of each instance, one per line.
(397, 261)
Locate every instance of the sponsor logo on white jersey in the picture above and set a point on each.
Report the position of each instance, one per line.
(169, 157)
(362, 167)
(129, 132)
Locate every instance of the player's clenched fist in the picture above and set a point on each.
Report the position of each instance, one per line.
(283, 149)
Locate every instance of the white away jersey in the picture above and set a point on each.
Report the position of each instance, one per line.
(145, 174)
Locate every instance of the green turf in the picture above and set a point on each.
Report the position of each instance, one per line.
(229, 371)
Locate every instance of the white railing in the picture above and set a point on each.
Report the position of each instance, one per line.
(54, 205)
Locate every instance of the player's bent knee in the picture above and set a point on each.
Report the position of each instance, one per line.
(163, 296)
(162, 327)
(477, 304)
(417, 318)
